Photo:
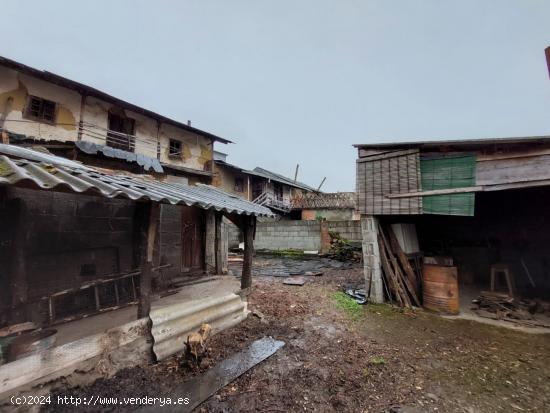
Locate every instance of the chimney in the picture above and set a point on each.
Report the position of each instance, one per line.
(188, 123)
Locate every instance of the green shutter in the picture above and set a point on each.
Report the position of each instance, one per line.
(448, 173)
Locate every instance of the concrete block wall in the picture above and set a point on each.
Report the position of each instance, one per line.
(302, 235)
(233, 235)
(350, 230)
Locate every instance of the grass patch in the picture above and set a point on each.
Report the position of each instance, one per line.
(382, 309)
(377, 361)
(348, 305)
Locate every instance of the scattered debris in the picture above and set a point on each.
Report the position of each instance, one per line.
(314, 273)
(260, 315)
(201, 387)
(294, 281)
(359, 295)
(500, 306)
(279, 266)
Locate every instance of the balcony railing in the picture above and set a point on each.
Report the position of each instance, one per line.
(274, 202)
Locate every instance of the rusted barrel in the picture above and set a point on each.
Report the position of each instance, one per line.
(440, 286)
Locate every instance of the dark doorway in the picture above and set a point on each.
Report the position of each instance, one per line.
(192, 242)
(121, 132)
(278, 191)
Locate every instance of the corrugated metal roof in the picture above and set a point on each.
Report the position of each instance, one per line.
(144, 161)
(279, 178)
(264, 173)
(43, 171)
(454, 142)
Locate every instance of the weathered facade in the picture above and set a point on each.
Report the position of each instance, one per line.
(481, 204)
(41, 107)
(258, 185)
(82, 123)
(106, 207)
(82, 242)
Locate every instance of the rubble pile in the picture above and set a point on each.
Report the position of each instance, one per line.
(342, 249)
(500, 306)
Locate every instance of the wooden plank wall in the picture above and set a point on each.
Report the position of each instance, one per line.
(382, 173)
(513, 168)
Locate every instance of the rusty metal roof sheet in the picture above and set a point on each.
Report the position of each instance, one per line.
(31, 169)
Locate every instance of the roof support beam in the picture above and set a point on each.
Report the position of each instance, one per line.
(437, 192)
(147, 215)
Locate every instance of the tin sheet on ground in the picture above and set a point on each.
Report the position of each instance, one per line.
(202, 387)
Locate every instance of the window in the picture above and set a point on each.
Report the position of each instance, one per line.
(42, 110)
(121, 132)
(239, 185)
(174, 149)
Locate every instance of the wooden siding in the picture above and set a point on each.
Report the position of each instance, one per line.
(389, 172)
(513, 168)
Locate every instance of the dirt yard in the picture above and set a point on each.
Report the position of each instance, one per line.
(340, 356)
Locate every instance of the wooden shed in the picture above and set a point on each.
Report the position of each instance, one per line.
(477, 203)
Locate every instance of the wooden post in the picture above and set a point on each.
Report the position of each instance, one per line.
(18, 278)
(147, 215)
(218, 242)
(210, 242)
(249, 225)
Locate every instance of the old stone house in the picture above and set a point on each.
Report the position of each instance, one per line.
(108, 219)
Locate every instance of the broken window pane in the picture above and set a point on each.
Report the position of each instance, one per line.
(174, 148)
(40, 109)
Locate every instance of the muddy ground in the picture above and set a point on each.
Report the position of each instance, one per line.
(343, 357)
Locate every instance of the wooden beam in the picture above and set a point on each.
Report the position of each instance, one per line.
(248, 230)
(437, 192)
(406, 265)
(148, 216)
(218, 242)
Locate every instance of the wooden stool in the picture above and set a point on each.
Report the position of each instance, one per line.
(502, 269)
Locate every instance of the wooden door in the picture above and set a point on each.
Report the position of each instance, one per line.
(192, 239)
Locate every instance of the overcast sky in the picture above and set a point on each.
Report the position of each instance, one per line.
(300, 81)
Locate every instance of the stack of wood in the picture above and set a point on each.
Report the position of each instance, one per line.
(501, 306)
(342, 249)
(400, 280)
